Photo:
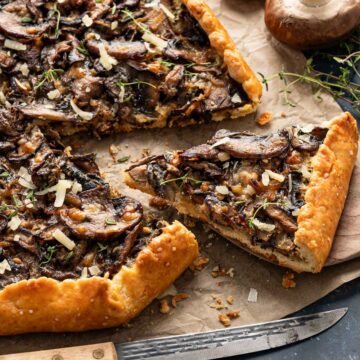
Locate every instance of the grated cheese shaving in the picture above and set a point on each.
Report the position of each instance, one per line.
(106, 60)
(76, 188)
(167, 12)
(265, 178)
(236, 99)
(84, 273)
(264, 226)
(275, 176)
(14, 45)
(220, 142)
(61, 188)
(223, 156)
(4, 265)
(63, 239)
(14, 223)
(87, 20)
(222, 189)
(94, 270)
(53, 94)
(152, 4)
(253, 294)
(24, 69)
(85, 115)
(155, 40)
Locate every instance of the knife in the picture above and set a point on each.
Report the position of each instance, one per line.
(200, 346)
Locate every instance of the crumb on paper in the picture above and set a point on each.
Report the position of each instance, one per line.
(164, 306)
(230, 300)
(158, 202)
(145, 152)
(199, 263)
(179, 297)
(253, 294)
(113, 150)
(218, 304)
(224, 319)
(283, 114)
(233, 314)
(231, 272)
(264, 118)
(218, 271)
(288, 281)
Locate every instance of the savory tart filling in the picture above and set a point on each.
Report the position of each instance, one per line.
(241, 181)
(58, 218)
(105, 66)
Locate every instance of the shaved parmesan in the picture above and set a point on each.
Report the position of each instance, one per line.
(295, 212)
(84, 273)
(155, 40)
(265, 178)
(14, 223)
(275, 176)
(25, 179)
(53, 94)
(222, 189)
(236, 99)
(17, 237)
(61, 188)
(4, 265)
(152, 4)
(114, 25)
(305, 172)
(94, 270)
(63, 239)
(14, 45)
(87, 20)
(263, 226)
(253, 294)
(47, 190)
(121, 94)
(76, 187)
(249, 190)
(24, 69)
(106, 60)
(170, 291)
(220, 142)
(85, 115)
(167, 12)
(148, 48)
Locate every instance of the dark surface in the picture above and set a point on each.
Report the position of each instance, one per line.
(342, 341)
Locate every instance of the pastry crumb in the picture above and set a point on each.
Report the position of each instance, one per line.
(179, 297)
(233, 314)
(224, 319)
(218, 271)
(199, 263)
(283, 114)
(264, 118)
(164, 306)
(288, 281)
(231, 272)
(230, 300)
(113, 150)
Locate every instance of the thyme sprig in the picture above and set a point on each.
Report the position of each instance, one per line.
(50, 75)
(56, 12)
(50, 251)
(262, 206)
(337, 83)
(82, 49)
(182, 179)
(129, 14)
(136, 82)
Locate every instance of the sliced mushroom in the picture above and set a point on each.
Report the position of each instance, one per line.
(250, 146)
(87, 88)
(6, 61)
(102, 222)
(41, 112)
(172, 80)
(285, 220)
(203, 151)
(6, 146)
(11, 25)
(3, 222)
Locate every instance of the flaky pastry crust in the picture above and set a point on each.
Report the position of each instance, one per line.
(324, 200)
(46, 304)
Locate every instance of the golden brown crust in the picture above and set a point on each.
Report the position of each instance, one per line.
(326, 193)
(45, 304)
(220, 40)
(324, 201)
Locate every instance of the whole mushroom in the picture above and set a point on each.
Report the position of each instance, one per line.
(309, 24)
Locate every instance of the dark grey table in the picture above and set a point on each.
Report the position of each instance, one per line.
(342, 341)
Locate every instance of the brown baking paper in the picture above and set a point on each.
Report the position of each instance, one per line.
(244, 20)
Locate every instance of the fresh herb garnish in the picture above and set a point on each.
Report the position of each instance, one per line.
(56, 12)
(26, 19)
(338, 83)
(110, 221)
(123, 159)
(183, 179)
(264, 205)
(50, 75)
(82, 49)
(136, 82)
(101, 247)
(113, 9)
(130, 15)
(31, 196)
(5, 174)
(16, 200)
(50, 251)
(69, 255)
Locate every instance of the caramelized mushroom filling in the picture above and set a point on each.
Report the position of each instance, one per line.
(58, 218)
(244, 181)
(108, 66)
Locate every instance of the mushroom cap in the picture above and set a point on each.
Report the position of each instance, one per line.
(304, 24)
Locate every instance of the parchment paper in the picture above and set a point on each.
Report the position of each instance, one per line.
(244, 20)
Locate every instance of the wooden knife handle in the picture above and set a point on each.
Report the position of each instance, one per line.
(103, 351)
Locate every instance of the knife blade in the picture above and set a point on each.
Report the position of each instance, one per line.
(233, 341)
(201, 346)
